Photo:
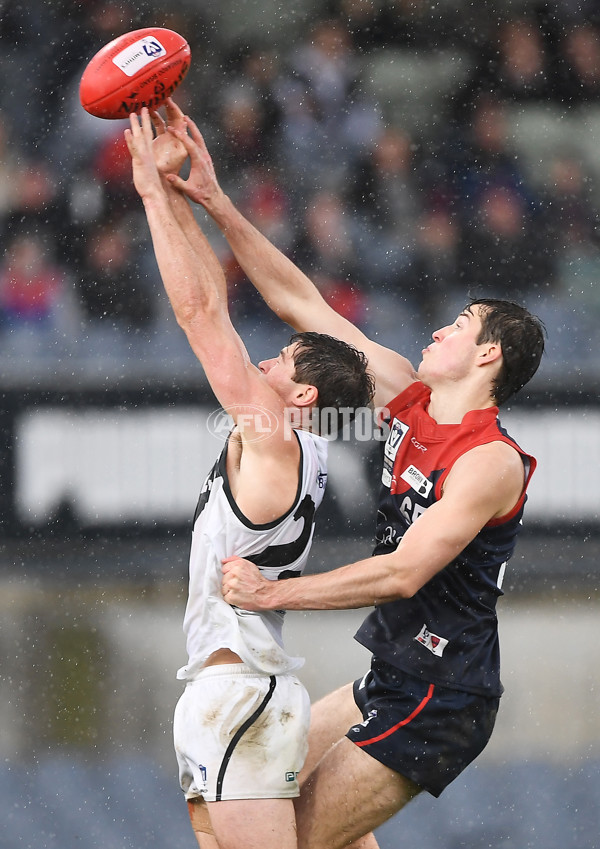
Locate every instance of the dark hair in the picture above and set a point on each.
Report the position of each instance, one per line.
(337, 369)
(521, 337)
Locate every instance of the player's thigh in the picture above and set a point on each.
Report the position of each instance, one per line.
(253, 824)
(206, 841)
(201, 824)
(347, 795)
(366, 842)
(330, 719)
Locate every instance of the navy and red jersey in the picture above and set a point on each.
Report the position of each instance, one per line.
(447, 632)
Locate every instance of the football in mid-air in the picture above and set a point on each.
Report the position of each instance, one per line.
(140, 68)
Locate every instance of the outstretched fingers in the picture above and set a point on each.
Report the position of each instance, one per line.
(158, 122)
(174, 117)
(196, 134)
(139, 138)
(181, 134)
(174, 113)
(132, 133)
(192, 139)
(140, 126)
(192, 150)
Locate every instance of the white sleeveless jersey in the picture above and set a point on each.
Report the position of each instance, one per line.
(279, 549)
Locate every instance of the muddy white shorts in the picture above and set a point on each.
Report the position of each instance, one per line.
(241, 735)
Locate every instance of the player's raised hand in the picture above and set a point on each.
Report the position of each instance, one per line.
(169, 152)
(139, 138)
(201, 186)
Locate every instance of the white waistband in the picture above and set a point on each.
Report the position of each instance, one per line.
(225, 669)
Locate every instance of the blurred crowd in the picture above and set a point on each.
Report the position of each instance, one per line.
(398, 214)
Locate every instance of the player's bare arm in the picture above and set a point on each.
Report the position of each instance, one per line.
(285, 288)
(201, 310)
(193, 291)
(262, 475)
(486, 483)
(170, 154)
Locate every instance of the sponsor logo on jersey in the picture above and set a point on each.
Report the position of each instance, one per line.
(432, 642)
(417, 480)
(398, 431)
(291, 776)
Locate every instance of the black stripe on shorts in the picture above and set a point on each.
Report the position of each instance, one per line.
(239, 734)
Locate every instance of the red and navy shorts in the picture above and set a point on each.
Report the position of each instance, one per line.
(426, 732)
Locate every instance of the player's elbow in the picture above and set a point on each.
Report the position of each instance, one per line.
(194, 312)
(285, 311)
(405, 588)
(393, 590)
(399, 582)
(298, 307)
(409, 588)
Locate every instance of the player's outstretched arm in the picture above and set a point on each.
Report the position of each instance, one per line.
(194, 286)
(188, 281)
(484, 484)
(285, 288)
(200, 307)
(170, 154)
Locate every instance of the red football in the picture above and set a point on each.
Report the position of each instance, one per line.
(140, 68)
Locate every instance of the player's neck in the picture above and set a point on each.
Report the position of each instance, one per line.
(449, 404)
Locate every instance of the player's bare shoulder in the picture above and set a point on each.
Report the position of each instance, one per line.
(262, 470)
(493, 473)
